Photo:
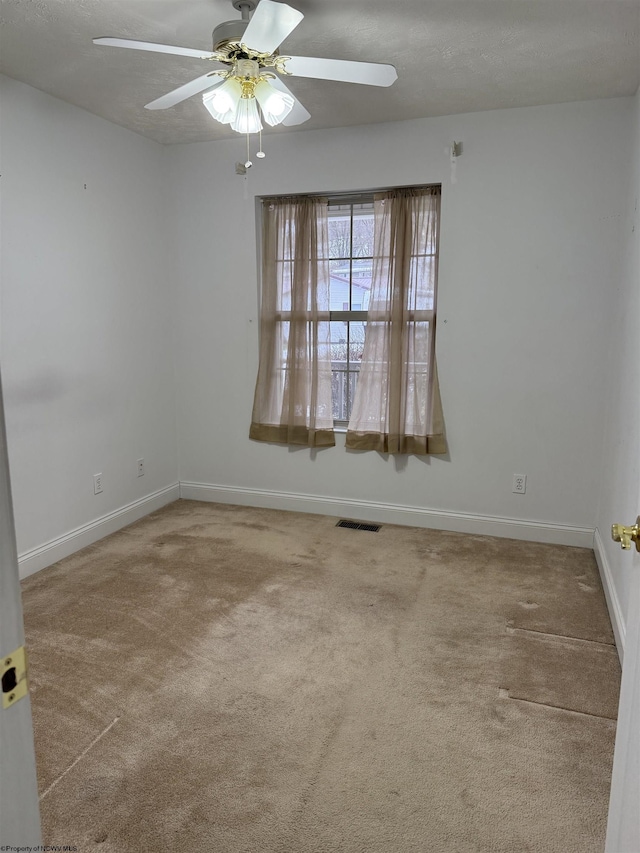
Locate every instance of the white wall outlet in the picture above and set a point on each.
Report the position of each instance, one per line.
(97, 484)
(519, 484)
(140, 467)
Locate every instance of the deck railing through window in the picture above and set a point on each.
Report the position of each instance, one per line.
(344, 378)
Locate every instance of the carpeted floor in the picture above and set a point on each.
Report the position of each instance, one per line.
(235, 680)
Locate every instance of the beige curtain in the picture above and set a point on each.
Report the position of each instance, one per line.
(292, 402)
(397, 405)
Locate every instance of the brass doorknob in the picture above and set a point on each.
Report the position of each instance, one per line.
(626, 535)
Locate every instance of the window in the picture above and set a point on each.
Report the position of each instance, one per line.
(350, 263)
(347, 322)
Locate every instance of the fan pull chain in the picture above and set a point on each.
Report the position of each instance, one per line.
(248, 164)
(260, 152)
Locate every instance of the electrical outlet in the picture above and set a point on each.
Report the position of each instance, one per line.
(97, 484)
(519, 484)
(140, 467)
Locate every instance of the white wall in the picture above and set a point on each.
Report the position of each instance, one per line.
(531, 241)
(95, 281)
(86, 347)
(619, 481)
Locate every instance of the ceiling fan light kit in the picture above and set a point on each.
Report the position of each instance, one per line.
(252, 68)
(222, 102)
(247, 117)
(275, 105)
(234, 102)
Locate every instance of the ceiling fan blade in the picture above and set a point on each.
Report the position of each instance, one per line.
(344, 70)
(298, 114)
(269, 26)
(156, 48)
(207, 81)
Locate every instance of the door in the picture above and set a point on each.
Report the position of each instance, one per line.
(623, 829)
(19, 811)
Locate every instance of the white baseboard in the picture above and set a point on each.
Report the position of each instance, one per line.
(613, 602)
(49, 553)
(510, 528)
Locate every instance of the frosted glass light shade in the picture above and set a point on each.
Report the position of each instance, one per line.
(247, 118)
(223, 101)
(275, 105)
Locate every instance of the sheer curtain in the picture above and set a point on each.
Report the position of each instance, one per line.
(397, 405)
(292, 402)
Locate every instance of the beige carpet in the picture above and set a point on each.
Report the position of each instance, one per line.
(234, 680)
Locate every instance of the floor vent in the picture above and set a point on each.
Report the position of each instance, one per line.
(358, 525)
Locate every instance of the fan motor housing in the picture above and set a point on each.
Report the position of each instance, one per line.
(230, 32)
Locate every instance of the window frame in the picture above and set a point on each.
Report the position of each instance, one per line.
(351, 198)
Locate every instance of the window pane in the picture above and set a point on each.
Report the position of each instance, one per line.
(286, 240)
(356, 342)
(284, 292)
(340, 232)
(347, 346)
(339, 362)
(339, 395)
(351, 228)
(421, 283)
(363, 231)
(282, 340)
(339, 288)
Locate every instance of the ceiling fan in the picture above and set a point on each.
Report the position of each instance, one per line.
(251, 69)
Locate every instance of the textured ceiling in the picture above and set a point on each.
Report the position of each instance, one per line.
(452, 56)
